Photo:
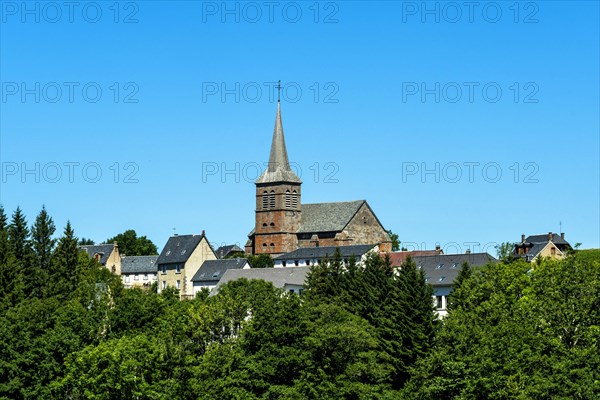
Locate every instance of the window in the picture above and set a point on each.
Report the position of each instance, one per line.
(272, 224)
(164, 284)
(126, 278)
(294, 199)
(178, 284)
(553, 251)
(438, 302)
(288, 199)
(307, 262)
(283, 263)
(454, 265)
(164, 269)
(272, 199)
(265, 200)
(136, 277)
(264, 246)
(178, 269)
(145, 277)
(216, 274)
(296, 262)
(442, 278)
(265, 225)
(439, 266)
(272, 245)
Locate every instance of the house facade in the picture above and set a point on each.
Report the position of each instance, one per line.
(551, 245)
(288, 279)
(106, 254)
(211, 271)
(139, 271)
(179, 261)
(283, 224)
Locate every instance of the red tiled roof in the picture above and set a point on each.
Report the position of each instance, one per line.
(399, 257)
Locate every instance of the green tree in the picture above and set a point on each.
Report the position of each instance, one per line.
(132, 245)
(43, 244)
(504, 251)
(11, 276)
(65, 270)
(395, 240)
(261, 261)
(86, 242)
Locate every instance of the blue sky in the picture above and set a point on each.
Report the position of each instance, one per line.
(457, 125)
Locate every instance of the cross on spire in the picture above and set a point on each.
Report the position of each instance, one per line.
(279, 91)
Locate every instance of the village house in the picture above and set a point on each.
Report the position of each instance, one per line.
(441, 270)
(283, 224)
(550, 245)
(211, 271)
(179, 261)
(288, 279)
(307, 256)
(106, 254)
(139, 271)
(231, 250)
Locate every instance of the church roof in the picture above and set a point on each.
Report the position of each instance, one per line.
(328, 217)
(279, 169)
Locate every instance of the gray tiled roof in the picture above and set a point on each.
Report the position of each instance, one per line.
(556, 239)
(328, 217)
(325, 251)
(279, 277)
(223, 251)
(103, 249)
(279, 169)
(441, 270)
(178, 249)
(213, 270)
(139, 265)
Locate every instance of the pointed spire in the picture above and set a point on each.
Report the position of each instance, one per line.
(279, 169)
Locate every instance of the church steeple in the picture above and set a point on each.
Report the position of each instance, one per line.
(279, 169)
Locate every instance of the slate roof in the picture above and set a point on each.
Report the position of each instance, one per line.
(279, 169)
(103, 249)
(223, 251)
(178, 249)
(328, 217)
(213, 270)
(442, 270)
(139, 265)
(556, 239)
(306, 253)
(279, 277)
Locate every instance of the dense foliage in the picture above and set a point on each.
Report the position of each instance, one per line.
(69, 330)
(131, 244)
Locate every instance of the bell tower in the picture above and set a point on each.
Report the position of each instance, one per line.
(278, 195)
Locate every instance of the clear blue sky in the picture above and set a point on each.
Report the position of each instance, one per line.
(401, 88)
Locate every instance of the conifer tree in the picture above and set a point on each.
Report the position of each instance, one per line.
(65, 264)
(457, 296)
(18, 235)
(11, 278)
(43, 245)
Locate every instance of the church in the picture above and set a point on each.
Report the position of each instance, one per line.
(283, 224)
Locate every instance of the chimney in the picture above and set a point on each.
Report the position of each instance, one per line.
(562, 235)
(468, 251)
(202, 232)
(523, 238)
(437, 247)
(549, 236)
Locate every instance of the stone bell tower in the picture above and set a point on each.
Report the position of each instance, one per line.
(278, 195)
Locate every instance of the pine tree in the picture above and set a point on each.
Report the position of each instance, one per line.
(65, 264)
(43, 246)
(18, 235)
(11, 279)
(457, 296)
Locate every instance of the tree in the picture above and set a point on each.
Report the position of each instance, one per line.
(261, 261)
(43, 245)
(65, 266)
(132, 245)
(11, 277)
(460, 293)
(395, 240)
(86, 242)
(504, 251)
(18, 235)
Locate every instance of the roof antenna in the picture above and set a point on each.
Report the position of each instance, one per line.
(560, 227)
(279, 91)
